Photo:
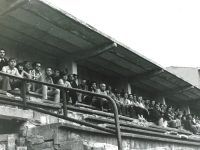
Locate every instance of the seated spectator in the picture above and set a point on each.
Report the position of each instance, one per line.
(189, 125)
(7, 82)
(22, 72)
(131, 110)
(92, 88)
(110, 92)
(28, 67)
(36, 74)
(140, 108)
(64, 81)
(169, 116)
(56, 76)
(73, 94)
(82, 86)
(49, 91)
(100, 102)
(178, 121)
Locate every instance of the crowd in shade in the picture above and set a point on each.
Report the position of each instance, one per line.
(128, 104)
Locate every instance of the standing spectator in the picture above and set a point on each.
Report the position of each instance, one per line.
(56, 76)
(9, 83)
(111, 94)
(118, 102)
(64, 82)
(73, 94)
(132, 106)
(127, 103)
(156, 115)
(3, 60)
(151, 107)
(47, 90)
(76, 79)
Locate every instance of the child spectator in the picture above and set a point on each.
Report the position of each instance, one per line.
(9, 83)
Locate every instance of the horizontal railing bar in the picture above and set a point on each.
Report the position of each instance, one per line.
(80, 91)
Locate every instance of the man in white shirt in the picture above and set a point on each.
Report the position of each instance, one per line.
(9, 83)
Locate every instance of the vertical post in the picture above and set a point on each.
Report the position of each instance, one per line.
(64, 102)
(23, 93)
(117, 124)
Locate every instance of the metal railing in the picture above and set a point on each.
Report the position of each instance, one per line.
(26, 104)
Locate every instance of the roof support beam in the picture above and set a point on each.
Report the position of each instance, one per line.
(91, 53)
(12, 6)
(176, 91)
(146, 75)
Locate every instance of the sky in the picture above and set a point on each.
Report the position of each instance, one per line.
(165, 31)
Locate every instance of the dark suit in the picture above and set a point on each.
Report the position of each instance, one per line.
(3, 62)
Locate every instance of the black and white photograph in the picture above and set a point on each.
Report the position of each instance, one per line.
(99, 75)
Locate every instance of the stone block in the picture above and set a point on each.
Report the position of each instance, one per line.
(43, 146)
(15, 113)
(37, 139)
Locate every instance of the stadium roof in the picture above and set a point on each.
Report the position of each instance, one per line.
(39, 26)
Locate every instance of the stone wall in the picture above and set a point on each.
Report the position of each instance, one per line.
(70, 137)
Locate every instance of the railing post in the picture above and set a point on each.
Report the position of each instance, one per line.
(23, 93)
(117, 124)
(64, 94)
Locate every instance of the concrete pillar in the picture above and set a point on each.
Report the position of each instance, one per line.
(70, 65)
(129, 90)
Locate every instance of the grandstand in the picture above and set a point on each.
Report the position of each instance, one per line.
(36, 31)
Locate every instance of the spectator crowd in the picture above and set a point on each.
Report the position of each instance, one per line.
(128, 104)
